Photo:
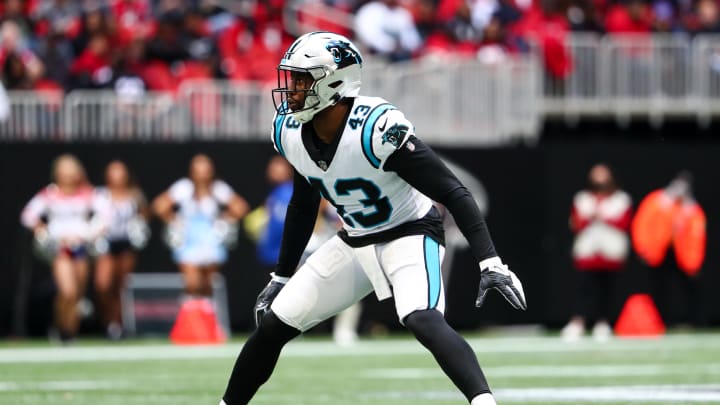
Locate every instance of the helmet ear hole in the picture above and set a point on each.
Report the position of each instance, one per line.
(335, 84)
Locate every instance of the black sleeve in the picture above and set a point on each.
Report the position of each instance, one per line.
(418, 165)
(299, 223)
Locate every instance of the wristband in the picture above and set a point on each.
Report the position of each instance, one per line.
(490, 262)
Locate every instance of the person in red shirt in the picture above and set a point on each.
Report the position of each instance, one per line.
(93, 68)
(545, 24)
(600, 219)
(708, 17)
(633, 16)
(133, 18)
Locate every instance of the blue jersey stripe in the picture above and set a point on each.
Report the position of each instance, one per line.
(277, 128)
(367, 131)
(432, 267)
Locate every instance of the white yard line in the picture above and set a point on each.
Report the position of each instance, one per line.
(554, 371)
(74, 385)
(627, 394)
(328, 349)
(659, 393)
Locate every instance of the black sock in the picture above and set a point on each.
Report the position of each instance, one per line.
(257, 359)
(451, 351)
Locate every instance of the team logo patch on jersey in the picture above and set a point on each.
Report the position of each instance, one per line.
(395, 135)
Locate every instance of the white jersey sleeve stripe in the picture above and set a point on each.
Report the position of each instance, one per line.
(367, 132)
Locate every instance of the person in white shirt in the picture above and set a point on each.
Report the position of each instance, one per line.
(127, 233)
(387, 29)
(200, 211)
(66, 217)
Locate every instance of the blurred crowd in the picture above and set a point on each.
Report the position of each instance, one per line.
(137, 45)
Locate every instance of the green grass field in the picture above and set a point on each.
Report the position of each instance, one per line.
(678, 369)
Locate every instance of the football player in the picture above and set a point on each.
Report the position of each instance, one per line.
(361, 154)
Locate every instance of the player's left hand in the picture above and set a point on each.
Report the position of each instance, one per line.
(495, 274)
(267, 296)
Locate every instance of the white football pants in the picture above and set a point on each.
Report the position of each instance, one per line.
(333, 279)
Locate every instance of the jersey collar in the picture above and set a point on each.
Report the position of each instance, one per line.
(321, 153)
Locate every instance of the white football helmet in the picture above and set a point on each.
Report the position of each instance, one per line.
(334, 63)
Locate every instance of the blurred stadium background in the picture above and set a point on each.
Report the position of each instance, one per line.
(524, 95)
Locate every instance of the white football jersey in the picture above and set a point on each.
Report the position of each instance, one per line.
(367, 198)
(81, 214)
(182, 193)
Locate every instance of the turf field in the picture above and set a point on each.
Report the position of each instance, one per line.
(678, 369)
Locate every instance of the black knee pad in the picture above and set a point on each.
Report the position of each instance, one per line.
(424, 323)
(275, 330)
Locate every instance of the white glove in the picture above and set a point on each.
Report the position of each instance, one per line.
(495, 274)
(175, 233)
(226, 232)
(45, 246)
(138, 232)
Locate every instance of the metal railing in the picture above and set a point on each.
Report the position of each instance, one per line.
(706, 65)
(464, 102)
(105, 116)
(450, 102)
(628, 75)
(227, 110)
(303, 16)
(33, 116)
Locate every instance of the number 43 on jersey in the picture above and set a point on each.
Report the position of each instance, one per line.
(381, 207)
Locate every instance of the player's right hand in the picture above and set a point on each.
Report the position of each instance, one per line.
(267, 295)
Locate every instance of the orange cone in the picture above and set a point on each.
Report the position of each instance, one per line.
(197, 323)
(639, 318)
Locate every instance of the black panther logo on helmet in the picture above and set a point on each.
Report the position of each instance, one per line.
(343, 53)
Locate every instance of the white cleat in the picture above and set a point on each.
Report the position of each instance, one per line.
(483, 399)
(602, 332)
(345, 338)
(572, 332)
